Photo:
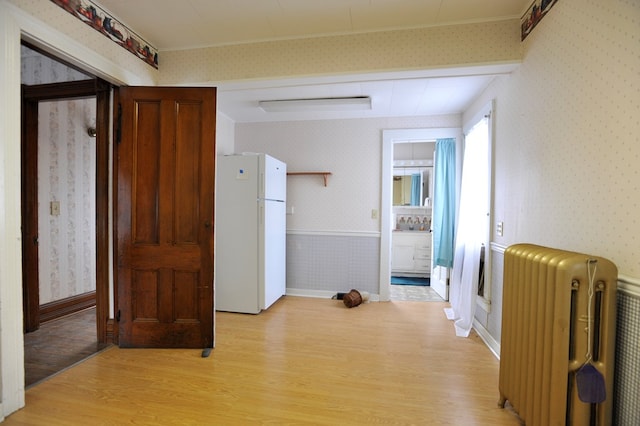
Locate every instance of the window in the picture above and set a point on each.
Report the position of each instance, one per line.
(477, 163)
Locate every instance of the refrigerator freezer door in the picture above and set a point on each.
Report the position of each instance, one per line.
(272, 252)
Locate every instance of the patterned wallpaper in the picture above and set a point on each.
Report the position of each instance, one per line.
(36, 68)
(381, 51)
(350, 149)
(67, 24)
(567, 149)
(67, 170)
(567, 144)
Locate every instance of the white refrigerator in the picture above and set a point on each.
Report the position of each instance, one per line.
(250, 232)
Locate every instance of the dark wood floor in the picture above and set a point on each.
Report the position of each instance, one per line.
(58, 344)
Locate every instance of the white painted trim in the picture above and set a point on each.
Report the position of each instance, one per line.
(321, 294)
(490, 69)
(486, 109)
(335, 233)
(11, 333)
(629, 285)
(498, 248)
(384, 288)
(487, 338)
(483, 303)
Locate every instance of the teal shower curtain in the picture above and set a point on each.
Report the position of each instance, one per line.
(415, 189)
(444, 202)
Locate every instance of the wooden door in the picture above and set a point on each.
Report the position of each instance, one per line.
(165, 204)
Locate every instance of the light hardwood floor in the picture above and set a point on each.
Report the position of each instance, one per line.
(304, 361)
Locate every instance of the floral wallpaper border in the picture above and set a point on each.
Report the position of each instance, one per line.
(534, 14)
(94, 16)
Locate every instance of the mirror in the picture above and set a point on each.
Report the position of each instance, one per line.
(412, 186)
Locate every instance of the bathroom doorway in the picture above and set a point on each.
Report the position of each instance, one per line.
(412, 196)
(403, 138)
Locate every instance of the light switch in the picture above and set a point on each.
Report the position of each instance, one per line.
(54, 207)
(499, 228)
(374, 213)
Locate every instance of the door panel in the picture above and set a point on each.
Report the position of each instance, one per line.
(273, 252)
(166, 161)
(440, 281)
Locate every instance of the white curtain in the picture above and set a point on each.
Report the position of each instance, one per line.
(471, 229)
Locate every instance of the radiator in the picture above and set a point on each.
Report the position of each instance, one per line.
(544, 338)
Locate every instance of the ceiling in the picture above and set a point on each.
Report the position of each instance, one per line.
(170, 24)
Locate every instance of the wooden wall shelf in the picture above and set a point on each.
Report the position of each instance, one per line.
(325, 175)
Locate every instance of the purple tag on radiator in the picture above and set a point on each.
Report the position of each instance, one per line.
(591, 386)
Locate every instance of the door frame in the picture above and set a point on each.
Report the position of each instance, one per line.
(31, 96)
(389, 138)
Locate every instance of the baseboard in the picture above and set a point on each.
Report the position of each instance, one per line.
(322, 294)
(487, 338)
(59, 308)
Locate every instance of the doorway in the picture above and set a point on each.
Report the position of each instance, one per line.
(63, 195)
(389, 139)
(411, 216)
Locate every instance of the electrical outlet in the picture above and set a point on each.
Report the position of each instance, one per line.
(374, 213)
(499, 229)
(54, 208)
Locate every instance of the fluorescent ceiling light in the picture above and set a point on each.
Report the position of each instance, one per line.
(318, 104)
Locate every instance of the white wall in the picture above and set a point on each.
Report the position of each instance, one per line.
(225, 134)
(350, 149)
